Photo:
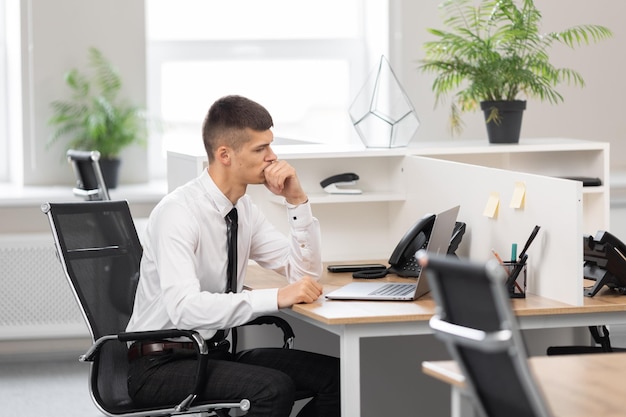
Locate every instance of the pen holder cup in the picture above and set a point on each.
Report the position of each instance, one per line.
(516, 281)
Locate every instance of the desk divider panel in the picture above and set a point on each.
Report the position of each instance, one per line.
(555, 258)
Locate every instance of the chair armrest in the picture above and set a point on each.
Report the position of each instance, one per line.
(162, 334)
(201, 346)
(124, 337)
(487, 342)
(282, 324)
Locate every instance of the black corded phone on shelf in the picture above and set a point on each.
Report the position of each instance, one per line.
(605, 262)
(402, 260)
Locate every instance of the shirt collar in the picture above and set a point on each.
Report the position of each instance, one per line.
(222, 203)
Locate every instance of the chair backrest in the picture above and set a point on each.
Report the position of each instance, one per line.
(90, 183)
(100, 252)
(475, 320)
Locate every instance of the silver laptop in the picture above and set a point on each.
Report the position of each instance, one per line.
(395, 291)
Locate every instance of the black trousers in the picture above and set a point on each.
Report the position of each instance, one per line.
(268, 377)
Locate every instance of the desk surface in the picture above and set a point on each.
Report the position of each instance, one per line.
(335, 312)
(573, 385)
(354, 320)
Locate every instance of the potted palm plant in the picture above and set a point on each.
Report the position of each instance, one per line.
(494, 55)
(95, 118)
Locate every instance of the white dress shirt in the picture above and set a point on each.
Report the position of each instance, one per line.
(185, 257)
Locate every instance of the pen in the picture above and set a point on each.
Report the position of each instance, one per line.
(497, 257)
(513, 252)
(509, 273)
(529, 241)
(516, 271)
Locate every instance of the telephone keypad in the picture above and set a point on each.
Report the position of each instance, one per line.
(410, 268)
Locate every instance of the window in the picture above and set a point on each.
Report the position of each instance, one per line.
(4, 131)
(304, 61)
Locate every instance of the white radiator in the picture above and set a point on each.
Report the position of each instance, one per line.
(35, 298)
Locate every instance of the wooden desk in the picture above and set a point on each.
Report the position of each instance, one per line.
(573, 385)
(354, 320)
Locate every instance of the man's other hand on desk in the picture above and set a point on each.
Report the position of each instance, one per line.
(306, 290)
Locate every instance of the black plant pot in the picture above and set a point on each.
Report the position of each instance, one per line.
(506, 127)
(110, 171)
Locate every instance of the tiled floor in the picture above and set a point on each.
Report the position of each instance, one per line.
(49, 388)
(45, 388)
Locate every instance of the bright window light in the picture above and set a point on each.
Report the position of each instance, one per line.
(304, 61)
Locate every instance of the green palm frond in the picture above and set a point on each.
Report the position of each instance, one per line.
(106, 77)
(95, 118)
(495, 51)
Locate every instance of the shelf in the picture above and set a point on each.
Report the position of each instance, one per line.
(594, 190)
(366, 197)
(368, 225)
(469, 147)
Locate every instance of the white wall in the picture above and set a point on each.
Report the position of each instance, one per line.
(61, 31)
(594, 112)
(55, 37)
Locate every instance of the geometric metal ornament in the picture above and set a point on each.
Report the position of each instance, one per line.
(382, 113)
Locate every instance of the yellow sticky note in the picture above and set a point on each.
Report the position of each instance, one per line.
(517, 201)
(491, 209)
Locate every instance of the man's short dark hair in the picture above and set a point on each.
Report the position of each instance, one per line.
(227, 121)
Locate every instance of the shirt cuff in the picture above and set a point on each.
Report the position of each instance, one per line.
(300, 216)
(264, 300)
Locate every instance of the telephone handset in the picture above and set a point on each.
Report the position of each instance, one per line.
(402, 260)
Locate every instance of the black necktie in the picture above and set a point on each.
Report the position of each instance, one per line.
(231, 231)
(231, 271)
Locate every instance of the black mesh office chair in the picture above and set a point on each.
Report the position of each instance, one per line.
(601, 344)
(475, 321)
(90, 183)
(100, 252)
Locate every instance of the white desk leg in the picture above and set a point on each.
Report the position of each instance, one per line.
(350, 354)
(462, 405)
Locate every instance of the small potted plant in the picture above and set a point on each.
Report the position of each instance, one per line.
(95, 118)
(494, 54)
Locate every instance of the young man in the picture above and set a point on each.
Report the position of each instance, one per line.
(185, 266)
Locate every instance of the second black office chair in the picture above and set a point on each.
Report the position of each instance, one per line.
(100, 253)
(90, 183)
(475, 320)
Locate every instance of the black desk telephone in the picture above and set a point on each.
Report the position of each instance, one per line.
(605, 262)
(402, 260)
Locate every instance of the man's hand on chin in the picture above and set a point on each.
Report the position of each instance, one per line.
(281, 179)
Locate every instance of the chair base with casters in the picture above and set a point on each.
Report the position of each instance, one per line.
(100, 253)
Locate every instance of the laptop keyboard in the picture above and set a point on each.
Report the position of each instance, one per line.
(394, 289)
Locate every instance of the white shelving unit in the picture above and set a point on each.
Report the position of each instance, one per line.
(556, 157)
(367, 226)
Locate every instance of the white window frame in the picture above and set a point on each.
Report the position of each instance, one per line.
(4, 97)
(362, 54)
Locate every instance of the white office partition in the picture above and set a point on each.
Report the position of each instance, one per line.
(368, 226)
(555, 258)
